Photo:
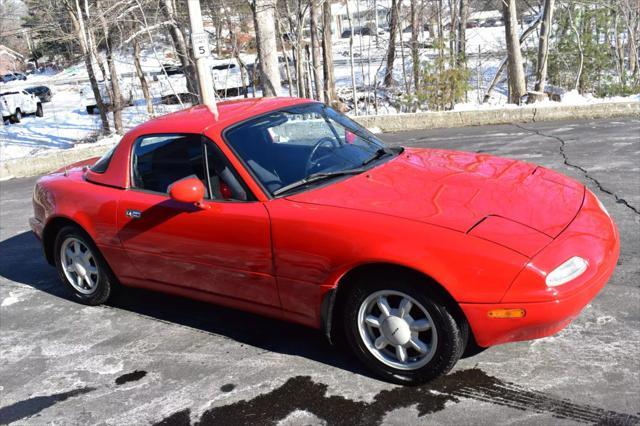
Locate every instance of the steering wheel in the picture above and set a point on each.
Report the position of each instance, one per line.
(312, 162)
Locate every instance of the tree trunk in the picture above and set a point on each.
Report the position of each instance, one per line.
(515, 70)
(453, 33)
(315, 49)
(142, 78)
(543, 49)
(353, 75)
(297, 46)
(181, 46)
(285, 54)
(116, 95)
(391, 50)
(327, 55)
(405, 81)
(462, 33)
(263, 16)
(375, 21)
(580, 50)
(415, 55)
(503, 64)
(440, 37)
(78, 23)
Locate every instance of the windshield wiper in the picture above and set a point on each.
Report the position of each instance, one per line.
(376, 156)
(315, 177)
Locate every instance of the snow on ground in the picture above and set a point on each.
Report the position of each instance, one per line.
(66, 122)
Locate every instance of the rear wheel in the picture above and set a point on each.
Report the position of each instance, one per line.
(81, 267)
(17, 117)
(39, 111)
(91, 109)
(400, 331)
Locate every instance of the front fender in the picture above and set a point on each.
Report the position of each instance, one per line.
(315, 246)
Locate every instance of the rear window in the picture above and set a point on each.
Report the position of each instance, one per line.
(102, 164)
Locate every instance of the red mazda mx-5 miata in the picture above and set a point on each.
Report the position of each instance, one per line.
(287, 208)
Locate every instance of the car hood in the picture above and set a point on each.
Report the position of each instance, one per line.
(458, 190)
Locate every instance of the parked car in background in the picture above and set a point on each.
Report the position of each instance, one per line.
(89, 99)
(172, 69)
(492, 22)
(12, 76)
(365, 31)
(42, 92)
(284, 207)
(228, 78)
(18, 103)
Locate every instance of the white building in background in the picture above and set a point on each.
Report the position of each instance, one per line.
(485, 18)
(362, 15)
(10, 60)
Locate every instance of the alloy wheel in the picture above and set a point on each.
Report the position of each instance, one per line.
(79, 265)
(397, 330)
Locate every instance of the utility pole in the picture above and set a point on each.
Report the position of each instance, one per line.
(200, 43)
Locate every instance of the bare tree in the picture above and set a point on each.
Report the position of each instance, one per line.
(315, 48)
(264, 19)
(503, 64)
(543, 50)
(580, 48)
(415, 55)
(353, 75)
(143, 80)
(327, 54)
(462, 33)
(75, 15)
(180, 45)
(391, 50)
(515, 70)
(116, 95)
(287, 66)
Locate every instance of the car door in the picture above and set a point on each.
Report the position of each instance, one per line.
(29, 103)
(222, 247)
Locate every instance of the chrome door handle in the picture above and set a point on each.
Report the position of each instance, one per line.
(133, 214)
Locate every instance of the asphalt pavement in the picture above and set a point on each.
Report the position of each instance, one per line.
(148, 358)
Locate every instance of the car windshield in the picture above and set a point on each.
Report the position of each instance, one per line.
(296, 148)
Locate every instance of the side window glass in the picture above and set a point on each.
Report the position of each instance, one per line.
(223, 180)
(160, 160)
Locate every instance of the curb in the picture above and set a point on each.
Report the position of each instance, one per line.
(45, 163)
(25, 167)
(526, 114)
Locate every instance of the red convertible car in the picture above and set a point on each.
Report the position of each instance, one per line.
(289, 209)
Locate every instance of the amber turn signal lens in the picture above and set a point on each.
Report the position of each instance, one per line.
(506, 313)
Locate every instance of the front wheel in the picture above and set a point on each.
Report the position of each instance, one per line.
(39, 111)
(81, 267)
(401, 332)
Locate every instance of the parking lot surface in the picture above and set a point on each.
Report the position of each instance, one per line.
(149, 358)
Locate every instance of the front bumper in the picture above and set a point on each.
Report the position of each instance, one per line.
(593, 236)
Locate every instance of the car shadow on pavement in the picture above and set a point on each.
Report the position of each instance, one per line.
(24, 262)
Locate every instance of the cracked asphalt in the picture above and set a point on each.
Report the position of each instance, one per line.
(148, 358)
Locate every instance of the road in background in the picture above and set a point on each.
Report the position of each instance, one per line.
(148, 358)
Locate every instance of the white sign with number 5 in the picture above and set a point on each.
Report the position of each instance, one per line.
(200, 42)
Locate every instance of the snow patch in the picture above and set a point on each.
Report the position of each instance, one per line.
(10, 300)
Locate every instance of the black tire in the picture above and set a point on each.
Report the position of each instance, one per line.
(91, 109)
(105, 280)
(39, 111)
(16, 118)
(451, 335)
